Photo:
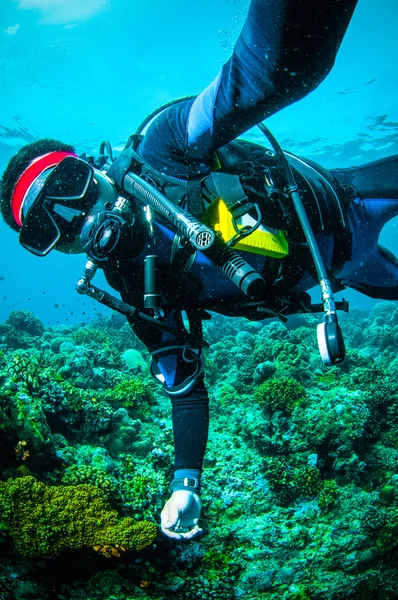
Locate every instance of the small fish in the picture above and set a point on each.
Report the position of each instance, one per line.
(2, 278)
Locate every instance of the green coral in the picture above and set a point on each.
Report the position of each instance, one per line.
(142, 489)
(130, 393)
(329, 495)
(226, 395)
(87, 474)
(24, 320)
(98, 339)
(307, 481)
(91, 337)
(74, 397)
(25, 371)
(29, 418)
(219, 560)
(244, 378)
(290, 356)
(303, 335)
(43, 520)
(280, 394)
(388, 537)
(329, 377)
(302, 594)
(289, 483)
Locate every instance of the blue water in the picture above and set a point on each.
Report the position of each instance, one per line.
(87, 70)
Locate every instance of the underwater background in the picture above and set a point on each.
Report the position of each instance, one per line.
(300, 487)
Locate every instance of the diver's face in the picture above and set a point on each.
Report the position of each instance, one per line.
(72, 248)
(106, 195)
(53, 198)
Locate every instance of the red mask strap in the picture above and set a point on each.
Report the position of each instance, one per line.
(24, 182)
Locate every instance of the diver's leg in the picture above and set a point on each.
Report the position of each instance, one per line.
(190, 415)
(285, 50)
(377, 179)
(372, 200)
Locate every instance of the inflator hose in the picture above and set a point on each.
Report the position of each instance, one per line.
(198, 234)
(243, 275)
(334, 350)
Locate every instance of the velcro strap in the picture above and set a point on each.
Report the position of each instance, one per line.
(186, 479)
(186, 483)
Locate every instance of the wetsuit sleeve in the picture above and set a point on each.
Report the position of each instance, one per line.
(190, 410)
(285, 50)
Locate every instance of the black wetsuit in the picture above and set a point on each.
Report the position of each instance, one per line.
(285, 50)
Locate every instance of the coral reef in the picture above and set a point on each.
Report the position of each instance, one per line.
(43, 520)
(280, 394)
(300, 483)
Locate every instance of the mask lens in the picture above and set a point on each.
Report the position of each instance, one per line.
(69, 180)
(39, 233)
(65, 195)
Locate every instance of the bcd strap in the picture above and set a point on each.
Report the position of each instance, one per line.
(130, 160)
(194, 197)
(127, 161)
(230, 190)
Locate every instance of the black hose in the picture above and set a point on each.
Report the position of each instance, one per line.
(330, 338)
(234, 266)
(106, 146)
(298, 204)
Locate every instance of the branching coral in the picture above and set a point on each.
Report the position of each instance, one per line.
(26, 371)
(141, 489)
(288, 483)
(329, 495)
(44, 520)
(280, 394)
(29, 419)
(130, 393)
(388, 537)
(92, 475)
(91, 337)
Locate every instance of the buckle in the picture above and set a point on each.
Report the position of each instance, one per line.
(191, 482)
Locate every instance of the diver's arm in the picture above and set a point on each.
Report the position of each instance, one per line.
(181, 513)
(286, 48)
(190, 416)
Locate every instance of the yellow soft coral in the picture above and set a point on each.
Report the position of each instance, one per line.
(43, 520)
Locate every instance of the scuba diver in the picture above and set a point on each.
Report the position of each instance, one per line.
(189, 219)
